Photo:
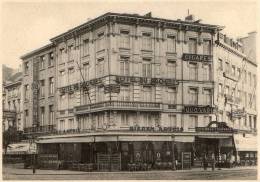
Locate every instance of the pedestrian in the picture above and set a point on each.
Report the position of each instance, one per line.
(205, 164)
(213, 161)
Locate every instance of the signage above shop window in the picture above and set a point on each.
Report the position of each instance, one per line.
(198, 109)
(156, 129)
(196, 57)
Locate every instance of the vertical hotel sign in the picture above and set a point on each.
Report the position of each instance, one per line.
(35, 91)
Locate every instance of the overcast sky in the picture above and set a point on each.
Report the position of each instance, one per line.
(27, 26)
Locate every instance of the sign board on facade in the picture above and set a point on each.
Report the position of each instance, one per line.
(196, 57)
(146, 80)
(198, 109)
(156, 129)
(215, 126)
(238, 113)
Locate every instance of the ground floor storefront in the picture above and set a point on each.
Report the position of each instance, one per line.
(136, 151)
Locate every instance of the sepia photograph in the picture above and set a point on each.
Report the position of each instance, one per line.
(129, 90)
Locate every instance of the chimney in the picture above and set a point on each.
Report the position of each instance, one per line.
(190, 18)
(149, 15)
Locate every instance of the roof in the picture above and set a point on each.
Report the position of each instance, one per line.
(125, 15)
(41, 49)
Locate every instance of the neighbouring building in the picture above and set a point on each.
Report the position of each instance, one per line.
(125, 91)
(11, 102)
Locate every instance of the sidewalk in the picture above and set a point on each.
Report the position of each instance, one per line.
(20, 171)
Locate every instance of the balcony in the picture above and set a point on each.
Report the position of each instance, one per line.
(40, 129)
(118, 105)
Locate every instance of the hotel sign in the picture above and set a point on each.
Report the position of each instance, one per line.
(156, 129)
(238, 113)
(145, 80)
(196, 57)
(198, 109)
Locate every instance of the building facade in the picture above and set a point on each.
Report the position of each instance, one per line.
(12, 107)
(139, 89)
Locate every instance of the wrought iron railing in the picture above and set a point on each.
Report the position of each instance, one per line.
(40, 129)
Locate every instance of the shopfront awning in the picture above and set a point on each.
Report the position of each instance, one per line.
(21, 148)
(247, 143)
(145, 138)
(184, 138)
(68, 140)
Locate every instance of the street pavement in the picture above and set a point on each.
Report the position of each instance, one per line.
(241, 173)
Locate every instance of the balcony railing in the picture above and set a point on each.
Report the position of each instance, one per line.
(40, 129)
(119, 105)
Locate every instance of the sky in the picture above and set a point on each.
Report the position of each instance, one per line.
(27, 25)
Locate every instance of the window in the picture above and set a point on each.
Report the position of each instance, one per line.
(254, 80)
(100, 41)
(233, 70)
(85, 98)
(9, 105)
(70, 52)
(171, 69)
(207, 96)
(62, 55)
(245, 77)
(193, 74)
(19, 105)
(51, 86)
(26, 117)
(147, 120)
(206, 120)
(62, 78)
(220, 64)
(71, 74)
(192, 44)
(100, 94)
(26, 67)
(26, 92)
(193, 92)
(124, 93)
(124, 65)
(51, 114)
(146, 41)
(62, 101)
(71, 124)
(42, 62)
(147, 94)
(86, 71)
(42, 88)
(42, 115)
(124, 119)
(62, 125)
(238, 73)
(249, 78)
(71, 100)
(124, 39)
(227, 90)
(206, 72)
(85, 47)
(233, 92)
(227, 67)
(172, 121)
(193, 122)
(172, 95)
(207, 47)
(100, 120)
(171, 43)
(250, 100)
(220, 87)
(100, 67)
(147, 67)
(51, 59)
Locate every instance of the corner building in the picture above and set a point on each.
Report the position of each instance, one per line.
(135, 92)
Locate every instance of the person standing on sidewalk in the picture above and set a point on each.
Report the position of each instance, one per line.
(205, 164)
(213, 161)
